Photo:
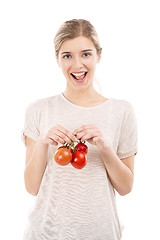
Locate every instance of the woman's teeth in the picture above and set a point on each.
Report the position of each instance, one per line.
(79, 76)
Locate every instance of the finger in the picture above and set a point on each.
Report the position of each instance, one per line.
(91, 130)
(58, 135)
(63, 136)
(81, 134)
(66, 133)
(52, 142)
(84, 136)
(56, 139)
(82, 128)
(78, 130)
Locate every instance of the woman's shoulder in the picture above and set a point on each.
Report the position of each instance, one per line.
(117, 102)
(41, 103)
(122, 104)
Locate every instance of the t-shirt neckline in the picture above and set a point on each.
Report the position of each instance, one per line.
(82, 107)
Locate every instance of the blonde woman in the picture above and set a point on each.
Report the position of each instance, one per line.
(72, 203)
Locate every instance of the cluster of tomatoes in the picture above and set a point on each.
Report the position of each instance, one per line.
(76, 155)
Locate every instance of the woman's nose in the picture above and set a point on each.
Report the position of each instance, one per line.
(78, 63)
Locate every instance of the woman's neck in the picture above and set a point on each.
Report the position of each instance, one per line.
(85, 98)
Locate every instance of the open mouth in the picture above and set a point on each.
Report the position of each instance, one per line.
(79, 77)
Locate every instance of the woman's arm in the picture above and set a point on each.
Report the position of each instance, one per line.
(120, 172)
(36, 162)
(37, 155)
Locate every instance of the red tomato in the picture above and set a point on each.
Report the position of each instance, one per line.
(63, 156)
(79, 160)
(82, 147)
(66, 147)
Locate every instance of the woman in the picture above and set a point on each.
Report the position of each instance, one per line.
(73, 203)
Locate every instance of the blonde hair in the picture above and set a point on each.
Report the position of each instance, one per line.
(75, 28)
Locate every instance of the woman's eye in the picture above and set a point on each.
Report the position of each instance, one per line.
(67, 56)
(86, 54)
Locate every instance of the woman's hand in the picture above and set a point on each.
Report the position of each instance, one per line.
(93, 135)
(57, 134)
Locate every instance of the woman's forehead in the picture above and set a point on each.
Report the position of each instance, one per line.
(78, 44)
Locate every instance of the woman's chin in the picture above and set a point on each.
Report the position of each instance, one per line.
(80, 83)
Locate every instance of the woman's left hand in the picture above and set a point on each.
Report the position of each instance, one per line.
(92, 134)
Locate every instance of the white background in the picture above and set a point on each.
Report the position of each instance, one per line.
(129, 33)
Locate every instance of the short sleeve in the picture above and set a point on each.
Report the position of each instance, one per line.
(127, 145)
(31, 123)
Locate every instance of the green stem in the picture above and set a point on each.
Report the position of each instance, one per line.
(71, 145)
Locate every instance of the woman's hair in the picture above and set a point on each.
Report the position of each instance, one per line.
(75, 28)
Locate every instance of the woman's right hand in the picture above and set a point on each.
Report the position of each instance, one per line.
(57, 134)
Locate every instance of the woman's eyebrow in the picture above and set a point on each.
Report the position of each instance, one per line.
(86, 50)
(65, 52)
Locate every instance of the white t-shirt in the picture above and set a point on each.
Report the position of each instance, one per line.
(79, 204)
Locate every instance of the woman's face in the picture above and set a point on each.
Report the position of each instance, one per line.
(78, 58)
